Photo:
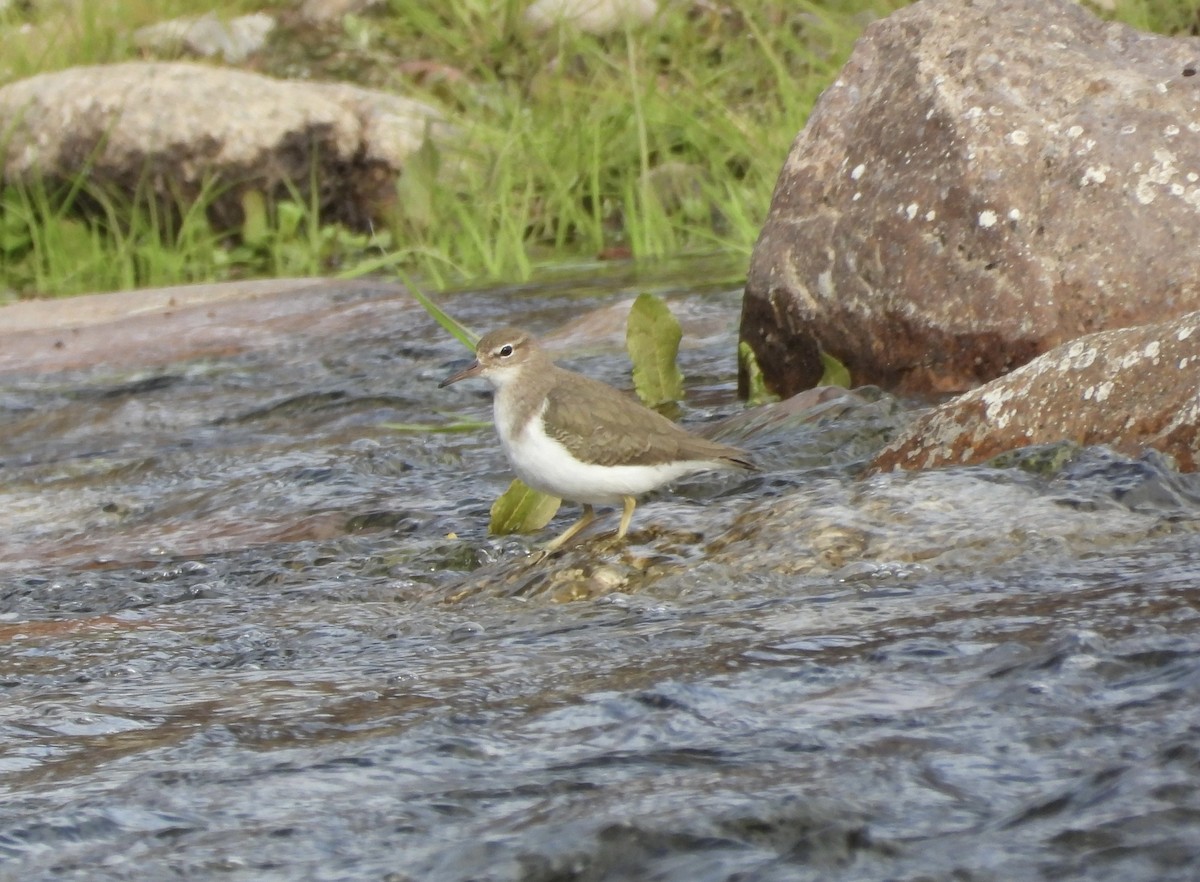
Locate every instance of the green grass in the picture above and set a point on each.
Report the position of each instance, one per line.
(660, 142)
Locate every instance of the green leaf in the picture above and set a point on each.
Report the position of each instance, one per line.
(256, 229)
(439, 428)
(652, 337)
(291, 215)
(451, 325)
(520, 509)
(756, 385)
(835, 374)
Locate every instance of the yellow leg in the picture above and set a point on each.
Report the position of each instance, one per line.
(572, 531)
(626, 516)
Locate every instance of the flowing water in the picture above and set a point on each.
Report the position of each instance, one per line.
(251, 630)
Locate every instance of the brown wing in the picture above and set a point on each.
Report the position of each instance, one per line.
(613, 429)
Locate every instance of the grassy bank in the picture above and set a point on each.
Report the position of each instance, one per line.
(662, 141)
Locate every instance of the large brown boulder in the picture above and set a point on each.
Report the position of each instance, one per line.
(984, 182)
(1129, 388)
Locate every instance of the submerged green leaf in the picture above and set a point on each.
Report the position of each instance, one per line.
(439, 428)
(652, 337)
(521, 509)
(756, 384)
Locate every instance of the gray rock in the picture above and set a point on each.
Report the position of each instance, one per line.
(320, 12)
(177, 125)
(983, 182)
(1129, 389)
(590, 16)
(208, 36)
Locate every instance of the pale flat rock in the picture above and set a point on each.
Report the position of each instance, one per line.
(1129, 389)
(161, 326)
(983, 182)
(62, 313)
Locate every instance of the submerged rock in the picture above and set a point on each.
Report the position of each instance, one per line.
(1129, 389)
(984, 181)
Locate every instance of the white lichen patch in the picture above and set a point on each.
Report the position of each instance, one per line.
(930, 215)
(973, 113)
(994, 401)
(1078, 357)
(1184, 333)
(987, 218)
(825, 285)
(1129, 129)
(911, 210)
(1019, 137)
(1171, 131)
(1074, 132)
(857, 171)
(1014, 214)
(1151, 350)
(1103, 391)
(1157, 175)
(1094, 174)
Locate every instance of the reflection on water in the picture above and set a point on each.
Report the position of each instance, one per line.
(239, 642)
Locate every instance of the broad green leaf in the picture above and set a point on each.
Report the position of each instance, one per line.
(756, 384)
(835, 374)
(652, 337)
(521, 509)
(291, 214)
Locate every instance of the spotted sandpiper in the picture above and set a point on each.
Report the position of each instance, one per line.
(576, 438)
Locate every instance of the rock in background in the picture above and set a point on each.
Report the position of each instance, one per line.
(589, 16)
(985, 181)
(175, 126)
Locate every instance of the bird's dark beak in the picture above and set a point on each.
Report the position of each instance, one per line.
(471, 370)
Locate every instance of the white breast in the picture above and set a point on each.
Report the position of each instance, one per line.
(546, 465)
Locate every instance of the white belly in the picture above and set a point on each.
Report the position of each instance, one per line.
(546, 465)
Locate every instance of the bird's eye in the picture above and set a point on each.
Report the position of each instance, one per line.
(505, 350)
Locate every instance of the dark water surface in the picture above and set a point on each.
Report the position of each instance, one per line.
(249, 632)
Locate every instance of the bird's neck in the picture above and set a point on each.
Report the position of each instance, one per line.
(520, 397)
